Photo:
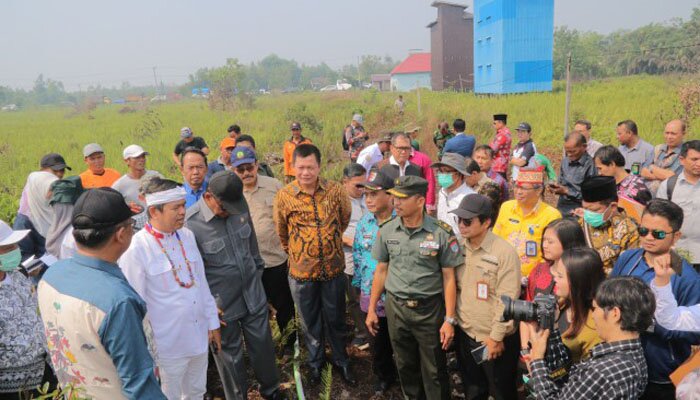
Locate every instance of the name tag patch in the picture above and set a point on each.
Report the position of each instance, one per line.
(482, 290)
(392, 241)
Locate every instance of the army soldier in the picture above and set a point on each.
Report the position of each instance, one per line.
(417, 255)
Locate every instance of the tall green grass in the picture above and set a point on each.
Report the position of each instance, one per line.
(31, 133)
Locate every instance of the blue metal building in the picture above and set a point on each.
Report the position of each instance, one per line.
(513, 42)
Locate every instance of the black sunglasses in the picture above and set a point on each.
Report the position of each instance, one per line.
(466, 222)
(655, 233)
(245, 168)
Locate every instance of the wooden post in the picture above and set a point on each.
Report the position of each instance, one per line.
(568, 94)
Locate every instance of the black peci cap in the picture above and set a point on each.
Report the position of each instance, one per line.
(599, 188)
(100, 208)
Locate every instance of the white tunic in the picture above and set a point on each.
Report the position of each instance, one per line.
(181, 317)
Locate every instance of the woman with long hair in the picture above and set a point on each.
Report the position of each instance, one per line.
(577, 275)
(559, 235)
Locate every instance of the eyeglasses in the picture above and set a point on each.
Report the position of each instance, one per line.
(296, 129)
(525, 189)
(466, 222)
(402, 149)
(655, 233)
(245, 168)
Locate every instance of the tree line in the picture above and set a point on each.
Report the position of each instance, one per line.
(657, 48)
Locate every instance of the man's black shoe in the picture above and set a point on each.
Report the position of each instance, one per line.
(277, 395)
(347, 375)
(381, 386)
(314, 376)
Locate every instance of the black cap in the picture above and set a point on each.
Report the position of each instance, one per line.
(100, 208)
(227, 187)
(409, 185)
(473, 205)
(524, 126)
(54, 161)
(295, 126)
(377, 180)
(599, 188)
(500, 117)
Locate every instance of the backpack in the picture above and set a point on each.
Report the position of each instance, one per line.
(346, 147)
(670, 185)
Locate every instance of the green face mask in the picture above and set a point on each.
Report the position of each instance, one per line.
(445, 180)
(594, 219)
(10, 261)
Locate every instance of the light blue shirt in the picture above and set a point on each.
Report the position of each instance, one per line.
(192, 196)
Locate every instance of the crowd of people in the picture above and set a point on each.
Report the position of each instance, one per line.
(126, 286)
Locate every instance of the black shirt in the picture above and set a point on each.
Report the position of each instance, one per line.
(197, 142)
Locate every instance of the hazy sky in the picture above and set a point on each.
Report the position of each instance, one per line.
(83, 42)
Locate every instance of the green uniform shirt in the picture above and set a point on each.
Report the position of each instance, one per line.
(416, 259)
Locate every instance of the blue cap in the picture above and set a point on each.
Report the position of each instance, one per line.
(242, 155)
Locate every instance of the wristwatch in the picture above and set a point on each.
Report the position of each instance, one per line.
(451, 320)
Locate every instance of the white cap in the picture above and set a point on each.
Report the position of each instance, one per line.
(133, 151)
(8, 236)
(91, 149)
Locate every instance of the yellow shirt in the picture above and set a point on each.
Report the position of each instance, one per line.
(581, 344)
(524, 232)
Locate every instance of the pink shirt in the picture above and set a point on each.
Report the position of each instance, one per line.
(424, 162)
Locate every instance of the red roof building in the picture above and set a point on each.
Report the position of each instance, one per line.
(414, 72)
(418, 62)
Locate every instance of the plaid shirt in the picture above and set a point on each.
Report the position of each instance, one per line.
(615, 370)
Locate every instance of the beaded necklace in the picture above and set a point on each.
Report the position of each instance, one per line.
(149, 229)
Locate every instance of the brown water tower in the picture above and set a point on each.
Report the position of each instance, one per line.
(452, 47)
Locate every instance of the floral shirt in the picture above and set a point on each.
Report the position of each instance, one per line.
(365, 264)
(501, 146)
(615, 236)
(633, 187)
(23, 347)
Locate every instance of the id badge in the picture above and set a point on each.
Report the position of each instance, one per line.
(482, 290)
(531, 248)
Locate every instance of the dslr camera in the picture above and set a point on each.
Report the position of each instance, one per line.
(540, 310)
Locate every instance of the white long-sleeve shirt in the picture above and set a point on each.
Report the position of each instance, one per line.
(669, 315)
(370, 156)
(448, 202)
(181, 317)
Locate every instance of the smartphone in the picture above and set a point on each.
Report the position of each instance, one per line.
(480, 354)
(635, 169)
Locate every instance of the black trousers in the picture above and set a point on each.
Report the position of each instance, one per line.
(353, 304)
(321, 307)
(276, 286)
(383, 354)
(659, 391)
(495, 377)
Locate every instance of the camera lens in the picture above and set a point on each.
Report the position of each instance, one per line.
(518, 310)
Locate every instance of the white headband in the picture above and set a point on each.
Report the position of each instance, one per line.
(166, 196)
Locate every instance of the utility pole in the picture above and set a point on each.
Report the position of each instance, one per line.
(568, 94)
(359, 77)
(155, 80)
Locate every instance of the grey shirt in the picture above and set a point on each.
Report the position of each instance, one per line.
(687, 196)
(593, 146)
(642, 153)
(232, 261)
